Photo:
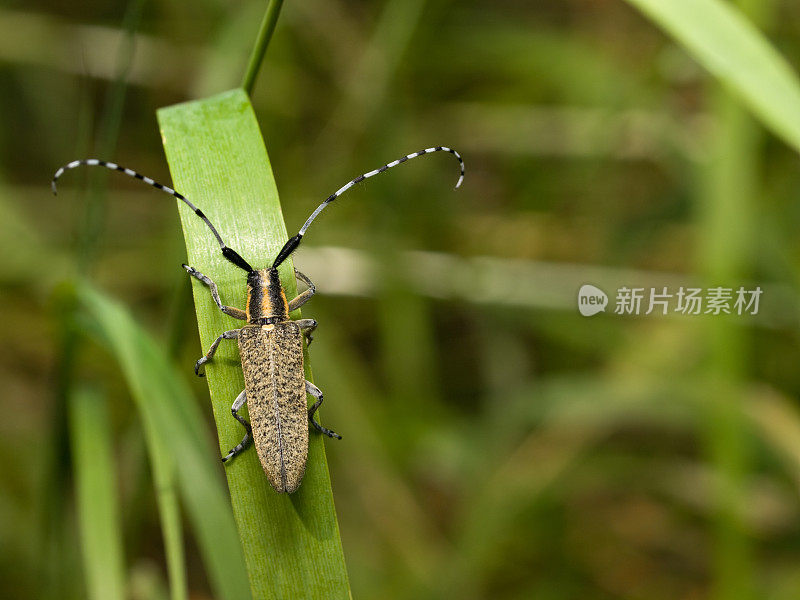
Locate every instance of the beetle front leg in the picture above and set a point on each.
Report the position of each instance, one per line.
(237, 405)
(308, 325)
(226, 335)
(317, 393)
(236, 313)
(301, 299)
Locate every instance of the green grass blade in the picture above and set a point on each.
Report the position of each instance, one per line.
(174, 425)
(166, 492)
(169, 514)
(217, 159)
(96, 497)
(732, 49)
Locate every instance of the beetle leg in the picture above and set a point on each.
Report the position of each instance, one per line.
(309, 325)
(236, 313)
(301, 299)
(226, 335)
(317, 393)
(237, 405)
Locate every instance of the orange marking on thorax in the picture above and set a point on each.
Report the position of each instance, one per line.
(265, 297)
(247, 305)
(267, 308)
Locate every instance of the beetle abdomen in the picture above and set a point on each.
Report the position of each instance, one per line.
(272, 361)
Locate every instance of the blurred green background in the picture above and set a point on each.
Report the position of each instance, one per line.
(496, 443)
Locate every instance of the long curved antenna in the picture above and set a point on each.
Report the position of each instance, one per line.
(229, 253)
(294, 241)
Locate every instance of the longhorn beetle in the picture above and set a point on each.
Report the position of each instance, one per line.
(270, 344)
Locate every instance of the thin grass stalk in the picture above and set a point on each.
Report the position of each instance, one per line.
(169, 512)
(260, 47)
(728, 193)
(95, 210)
(727, 185)
(96, 496)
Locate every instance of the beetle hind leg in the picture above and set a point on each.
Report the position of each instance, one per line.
(317, 393)
(237, 405)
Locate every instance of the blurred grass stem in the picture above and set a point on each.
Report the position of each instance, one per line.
(260, 48)
(728, 191)
(96, 496)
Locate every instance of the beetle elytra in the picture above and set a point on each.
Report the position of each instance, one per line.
(270, 343)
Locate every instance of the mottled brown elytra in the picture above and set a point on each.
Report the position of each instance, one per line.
(270, 344)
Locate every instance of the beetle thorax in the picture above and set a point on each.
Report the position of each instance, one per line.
(266, 302)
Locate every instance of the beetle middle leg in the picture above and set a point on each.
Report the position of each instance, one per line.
(317, 393)
(225, 335)
(236, 313)
(309, 325)
(301, 299)
(237, 405)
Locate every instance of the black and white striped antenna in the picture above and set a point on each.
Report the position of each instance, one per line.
(293, 242)
(228, 252)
